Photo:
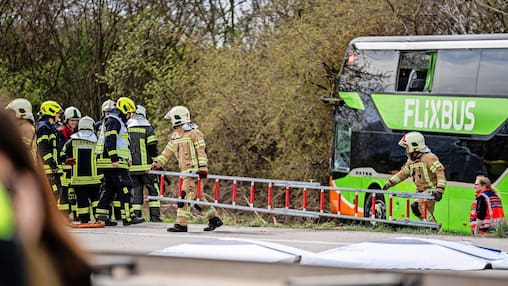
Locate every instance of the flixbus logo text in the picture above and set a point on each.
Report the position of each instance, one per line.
(444, 114)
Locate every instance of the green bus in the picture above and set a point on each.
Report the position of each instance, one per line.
(453, 89)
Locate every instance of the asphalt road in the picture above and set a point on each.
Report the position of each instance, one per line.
(147, 237)
(131, 244)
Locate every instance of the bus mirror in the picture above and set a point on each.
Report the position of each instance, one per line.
(332, 100)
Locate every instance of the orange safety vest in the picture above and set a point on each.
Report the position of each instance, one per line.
(494, 214)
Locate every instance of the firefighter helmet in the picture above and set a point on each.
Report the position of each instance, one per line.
(141, 110)
(126, 105)
(414, 141)
(72, 112)
(108, 105)
(22, 108)
(86, 123)
(50, 108)
(178, 115)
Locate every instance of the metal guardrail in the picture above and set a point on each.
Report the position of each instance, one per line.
(305, 186)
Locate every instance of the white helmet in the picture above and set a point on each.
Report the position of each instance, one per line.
(22, 108)
(178, 115)
(86, 123)
(141, 110)
(107, 105)
(72, 112)
(414, 140)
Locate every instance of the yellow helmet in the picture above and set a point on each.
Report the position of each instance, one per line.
(414, 141)
(50, 108)
(178, 115)
(22, 108)
(126, 105)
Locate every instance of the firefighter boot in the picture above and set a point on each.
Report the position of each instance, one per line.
(178, 228)
(106, 220)
(213, 223)
(133, 220)
(155, 218)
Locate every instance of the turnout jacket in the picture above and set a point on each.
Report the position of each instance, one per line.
(81, 147)
(47, 145)
(113, 144)
(427, 173)
(142, 143)
(188, 145)
(28, 135)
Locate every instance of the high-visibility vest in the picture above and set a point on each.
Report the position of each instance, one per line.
(494, 214)
(6, 215)
(122, 145)
(84, 172)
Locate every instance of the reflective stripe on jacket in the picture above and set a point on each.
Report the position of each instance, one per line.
(142, 144)
(427, 172)
(47, 145)
(82, 148)
(113, 144)
(189, 148)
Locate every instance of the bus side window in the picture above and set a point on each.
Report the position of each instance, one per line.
(413, 69)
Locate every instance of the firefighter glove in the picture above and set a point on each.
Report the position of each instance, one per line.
(387, 185)
(416, 210)
(438, 195)
(202, 174)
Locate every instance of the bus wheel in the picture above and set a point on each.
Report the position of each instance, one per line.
(380, 207)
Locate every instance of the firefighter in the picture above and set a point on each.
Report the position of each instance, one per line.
(425, 169)
(143, 146)
(487, 209)
(106, 107)
(47, 144)
(188, 145)
(79, 153)
(23, 111)
(67, 203)
(113, 147)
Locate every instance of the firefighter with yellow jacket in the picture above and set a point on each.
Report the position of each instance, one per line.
(23, 111)
(425, 169)
(188, 145)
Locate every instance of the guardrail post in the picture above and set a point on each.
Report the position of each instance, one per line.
(252, 194)
(356, 204)
(287, 198)
(425, 210)
(304, 202)
(180, 186)
(407, 208)
(161, 189)
(198, 191)
(373, 206)
(270, 195)
(339, 199)
(390, 207)
(216, 193)
(322, 201)
(234, 192)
